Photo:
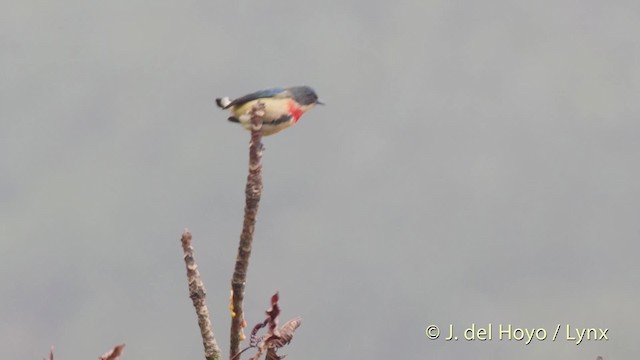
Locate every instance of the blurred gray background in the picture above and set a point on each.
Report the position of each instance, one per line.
(477, 162)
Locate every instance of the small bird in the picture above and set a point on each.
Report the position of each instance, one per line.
(283, 107)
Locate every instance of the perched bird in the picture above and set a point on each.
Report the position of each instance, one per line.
(283, 107)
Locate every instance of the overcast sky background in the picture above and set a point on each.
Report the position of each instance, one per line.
(477, 162)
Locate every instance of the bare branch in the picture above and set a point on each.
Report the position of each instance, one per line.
(253, 192)
(198, 294)
(113, 354)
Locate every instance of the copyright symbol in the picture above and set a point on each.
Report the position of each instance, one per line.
(433, 332)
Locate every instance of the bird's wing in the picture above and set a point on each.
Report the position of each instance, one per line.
(256, 95)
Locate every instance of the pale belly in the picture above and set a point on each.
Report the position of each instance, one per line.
(274, 109)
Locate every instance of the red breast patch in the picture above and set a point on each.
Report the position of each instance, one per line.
(295, 111)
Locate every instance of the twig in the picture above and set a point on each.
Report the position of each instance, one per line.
(113, 354)
(50, 354)
(253, 192)
(197, 293)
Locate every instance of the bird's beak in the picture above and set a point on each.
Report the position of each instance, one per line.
(320, 103)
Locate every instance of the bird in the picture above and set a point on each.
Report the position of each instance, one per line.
(283, 107)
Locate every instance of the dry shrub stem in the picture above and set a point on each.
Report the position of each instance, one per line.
(198, 294)
(253, 192)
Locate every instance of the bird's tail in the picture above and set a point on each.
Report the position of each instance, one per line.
(223, 102)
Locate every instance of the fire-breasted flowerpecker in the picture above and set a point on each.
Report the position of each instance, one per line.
(283, 107)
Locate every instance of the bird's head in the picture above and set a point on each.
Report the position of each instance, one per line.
(305, 96)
